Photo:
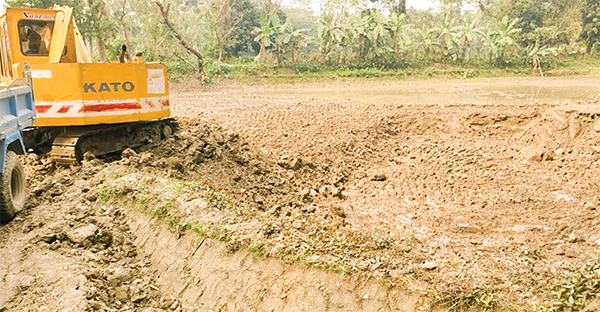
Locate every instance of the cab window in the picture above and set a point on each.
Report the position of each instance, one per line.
(35, 37)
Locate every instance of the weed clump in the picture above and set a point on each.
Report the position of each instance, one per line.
(578, 290)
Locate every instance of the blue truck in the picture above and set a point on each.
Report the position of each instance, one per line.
(17, 112)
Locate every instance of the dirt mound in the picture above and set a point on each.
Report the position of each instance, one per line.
(556, 132)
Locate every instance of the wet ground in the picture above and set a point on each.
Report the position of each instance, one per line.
(494, 92)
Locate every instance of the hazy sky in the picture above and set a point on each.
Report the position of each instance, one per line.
(417, 4)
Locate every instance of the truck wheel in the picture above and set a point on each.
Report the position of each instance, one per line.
(13, 188)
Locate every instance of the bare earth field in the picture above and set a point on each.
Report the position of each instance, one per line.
(327, 196)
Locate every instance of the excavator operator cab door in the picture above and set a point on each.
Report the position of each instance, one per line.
(6, 74)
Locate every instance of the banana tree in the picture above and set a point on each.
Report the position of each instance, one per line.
(399, 31)
(377, 34)
(288, 37)
(331, 32)
(467, 35)
(427, 40)
(359, 29)
(448, 37)
(536, 53)
(502, 40)
(265, 34)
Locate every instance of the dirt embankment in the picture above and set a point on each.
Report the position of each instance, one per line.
(65, 253)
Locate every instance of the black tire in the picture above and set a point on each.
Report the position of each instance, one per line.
(13, 188)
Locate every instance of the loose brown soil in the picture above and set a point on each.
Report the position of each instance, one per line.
(481, 206)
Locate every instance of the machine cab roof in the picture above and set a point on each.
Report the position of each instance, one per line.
(39, 36)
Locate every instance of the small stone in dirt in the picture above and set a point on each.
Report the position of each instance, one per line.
(429, 265)
(589, 206)
(57, 190)
(48, 239)
(138, 296)
(466, 228)
(145, 158)
(167, 302)
(379, 177)
(549, 156)
(42, 188)
(297, 224)
(128, 153)
(597, 126)
(594, 150)
(119, 276)
(338, 211)
(80, 235)
(292, 163)
(174, 162)
(573, 238)
(92, 196)
(98, 305)
(571, 253)
(121, 293)
(533, 154)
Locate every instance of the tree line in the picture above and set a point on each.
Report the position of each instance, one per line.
(191, 34)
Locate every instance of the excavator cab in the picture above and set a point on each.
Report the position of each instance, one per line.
(71, 92)
(69, 88)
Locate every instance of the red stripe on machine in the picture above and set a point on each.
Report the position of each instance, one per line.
(40, 109)
(64, 109)
(109, 107)
(164, 103)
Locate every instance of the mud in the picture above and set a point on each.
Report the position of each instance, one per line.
(264, 199)
(63, 253)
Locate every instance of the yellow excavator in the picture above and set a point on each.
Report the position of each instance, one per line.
(82, 107)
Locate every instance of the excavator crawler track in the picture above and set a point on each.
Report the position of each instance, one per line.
(77, 143)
